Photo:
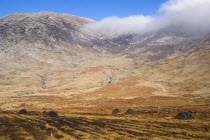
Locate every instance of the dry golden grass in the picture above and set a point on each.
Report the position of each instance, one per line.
(146, 124)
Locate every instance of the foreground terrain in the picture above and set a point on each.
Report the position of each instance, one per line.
(147, 123)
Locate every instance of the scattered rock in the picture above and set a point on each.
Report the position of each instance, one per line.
(129, 111)
(43, 82)
(116, 111)
(184, 116)
(52, 114)
(23, 111)
(68, 89)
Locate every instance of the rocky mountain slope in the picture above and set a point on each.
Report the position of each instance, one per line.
(48, 54)
(50, 38)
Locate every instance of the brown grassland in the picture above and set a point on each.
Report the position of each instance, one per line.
(147, 123)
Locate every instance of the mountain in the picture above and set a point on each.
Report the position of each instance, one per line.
(34, 38)
(48, 54)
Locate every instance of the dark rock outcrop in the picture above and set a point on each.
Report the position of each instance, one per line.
(116, 111)
(130, 111)
(52, 114)
(23, 111)
(184, 116)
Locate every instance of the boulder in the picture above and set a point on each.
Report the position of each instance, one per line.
(52, 114)
(129, 111)
(23, 111)
(116, 111)
(185, 115)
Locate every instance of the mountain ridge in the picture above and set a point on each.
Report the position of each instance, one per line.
(47, 54)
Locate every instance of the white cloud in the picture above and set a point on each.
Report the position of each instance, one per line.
(192, 16)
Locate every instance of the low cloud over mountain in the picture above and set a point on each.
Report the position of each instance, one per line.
(190, 16)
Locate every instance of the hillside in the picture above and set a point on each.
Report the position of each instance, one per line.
(47, 54)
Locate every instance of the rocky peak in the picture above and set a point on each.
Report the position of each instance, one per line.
(45, 26)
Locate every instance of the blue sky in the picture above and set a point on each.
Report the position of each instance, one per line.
(94, 9)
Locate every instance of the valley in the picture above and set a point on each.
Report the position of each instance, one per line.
(49, 63)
